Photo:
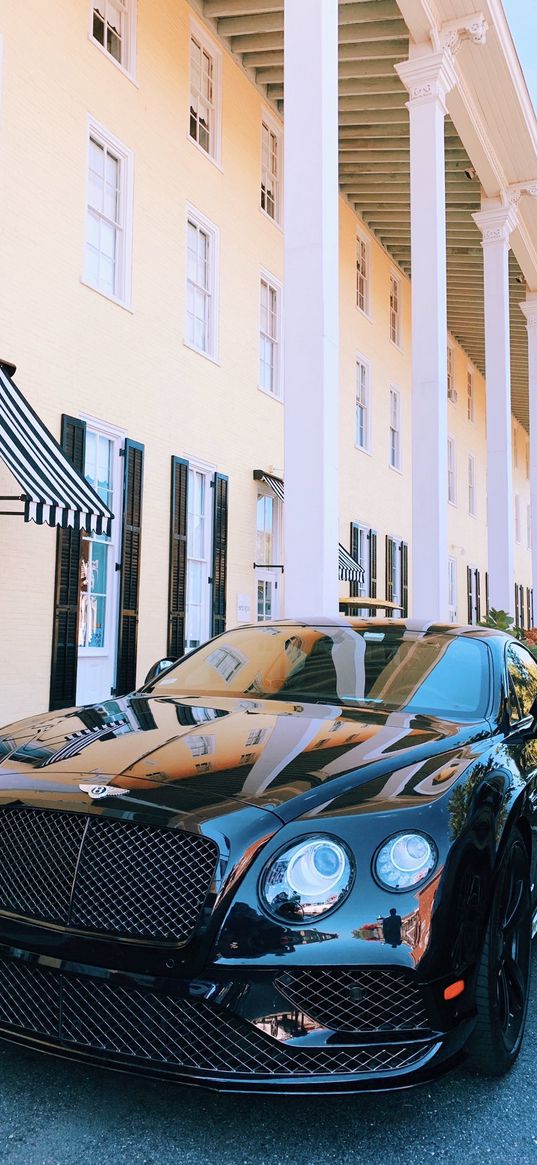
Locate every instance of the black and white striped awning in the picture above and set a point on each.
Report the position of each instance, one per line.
(55, 493)
(349, 569)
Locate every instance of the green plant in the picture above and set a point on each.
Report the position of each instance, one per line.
(502, 621)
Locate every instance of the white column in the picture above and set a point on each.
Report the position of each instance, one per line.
(496, 224)
(311, 318)
(530, 311)
(428, 80)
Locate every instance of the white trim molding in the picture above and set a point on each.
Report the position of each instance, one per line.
(453, 32)
(430, 76)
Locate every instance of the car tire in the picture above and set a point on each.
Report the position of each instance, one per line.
(502, 983)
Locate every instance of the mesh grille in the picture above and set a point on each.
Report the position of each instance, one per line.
(143, 882)
(180, 1033)
(357, 1000)
(38, 854)
(133, 880)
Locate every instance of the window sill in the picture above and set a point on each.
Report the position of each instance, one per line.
(395, 468)
(269, 218)
(199, 352)
(398, 347)
(366, 315)
(121, 68)
(271, 395)
(362, 449)
(450, 503)
(105, 294)
(210, 157)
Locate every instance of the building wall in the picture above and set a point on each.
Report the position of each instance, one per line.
(79, 353)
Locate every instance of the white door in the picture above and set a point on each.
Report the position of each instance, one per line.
(199, 551)
(97, 624)
(268, 575)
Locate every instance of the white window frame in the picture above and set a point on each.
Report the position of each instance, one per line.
(395, 329)
(204, 224)
(117, 437)
(517, 517)
(197, 466)
(359, 363)
(363, 555)
(397, 588)
(122, 297)
(450, 361)
(269, 122)
(363, 277)
(274, 285)
(452, 590)
(265, 572)
(128, 65)
(395, 429)
(470, 395)
(209, 46)
(472, 493)
(452, 471)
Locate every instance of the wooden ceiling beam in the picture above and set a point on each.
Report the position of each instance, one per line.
(369, 11)
(246, 8)
(247, 26)
(371, 99)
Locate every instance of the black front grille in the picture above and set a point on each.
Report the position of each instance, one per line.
(102, 875)
(182, 1034)
(357, 999)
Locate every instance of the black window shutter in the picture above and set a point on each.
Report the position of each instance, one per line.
(521, 605)
(389, 568)
(477, 597)
(517, 618)
(219, 575)
(354, 588)
(373, 564)
(404, 578)
(528, 606)
(130, 568)
(469, 593)
(67, 585)
(487, 605)
(178, 553)
(532, 619)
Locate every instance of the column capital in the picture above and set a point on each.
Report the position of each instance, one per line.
(428, 78)
(496, 223)
(529, 309)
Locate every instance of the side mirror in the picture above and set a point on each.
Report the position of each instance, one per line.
(157, 670)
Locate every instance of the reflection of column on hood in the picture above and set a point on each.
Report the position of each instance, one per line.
(378, 738)
(348, 654)
(289, 737)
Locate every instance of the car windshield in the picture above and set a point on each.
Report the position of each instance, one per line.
(436, 674)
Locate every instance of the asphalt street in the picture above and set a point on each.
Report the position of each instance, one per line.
(53, 1112)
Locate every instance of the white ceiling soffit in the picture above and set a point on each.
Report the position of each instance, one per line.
(491, 138)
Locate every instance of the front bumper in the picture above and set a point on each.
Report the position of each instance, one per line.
(222, 1032)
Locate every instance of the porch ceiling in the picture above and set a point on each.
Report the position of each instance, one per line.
(374, 154)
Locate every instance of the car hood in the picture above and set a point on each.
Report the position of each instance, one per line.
(189, 754)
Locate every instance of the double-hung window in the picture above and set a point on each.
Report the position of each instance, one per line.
(470, 398)
(471, 485)
(395, 310)
(205, 103)
(271, 170)
(395, 429)
(107, 257)
(269, 336)
(113, 24)
(363, 417)
(452, 479)
(202, 257)
(362, 274)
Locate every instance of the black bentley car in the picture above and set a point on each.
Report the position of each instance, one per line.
(302, 858)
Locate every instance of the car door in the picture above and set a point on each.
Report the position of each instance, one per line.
(522, 679)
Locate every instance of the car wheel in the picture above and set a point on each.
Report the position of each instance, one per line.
(503, 978)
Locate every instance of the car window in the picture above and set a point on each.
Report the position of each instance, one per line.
(522, 671)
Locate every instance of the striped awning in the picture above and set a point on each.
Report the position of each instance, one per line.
(349, 569)
(55, 493)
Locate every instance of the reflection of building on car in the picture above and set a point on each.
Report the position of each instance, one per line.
(301, 847)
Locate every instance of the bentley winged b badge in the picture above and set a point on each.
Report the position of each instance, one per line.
(98, 791)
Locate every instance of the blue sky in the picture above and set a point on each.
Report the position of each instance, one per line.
(522, 17)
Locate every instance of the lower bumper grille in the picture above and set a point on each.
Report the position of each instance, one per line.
(146, 1027)
(357, 999)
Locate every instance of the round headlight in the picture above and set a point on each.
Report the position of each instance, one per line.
(307, 880)
(405, 860)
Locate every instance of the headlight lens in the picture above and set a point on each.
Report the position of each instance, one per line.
(405, 860)
(307, 880)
